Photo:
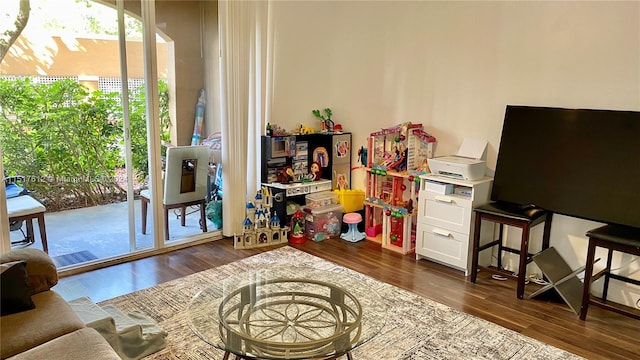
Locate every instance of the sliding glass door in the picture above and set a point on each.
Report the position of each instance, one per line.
(136, 86)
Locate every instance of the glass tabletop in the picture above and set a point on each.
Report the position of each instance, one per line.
(287, 313)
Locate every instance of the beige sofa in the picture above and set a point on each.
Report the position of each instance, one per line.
(51, 330)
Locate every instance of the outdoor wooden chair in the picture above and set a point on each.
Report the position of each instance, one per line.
(185, 185)
(22, 208)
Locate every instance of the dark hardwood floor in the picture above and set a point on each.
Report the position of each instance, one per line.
(604, 335)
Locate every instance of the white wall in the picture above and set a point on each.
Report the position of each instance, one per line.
(453, 66)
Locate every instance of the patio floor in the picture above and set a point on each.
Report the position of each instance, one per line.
(103, 230)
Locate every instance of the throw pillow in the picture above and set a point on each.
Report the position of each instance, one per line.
(14, 292)
(42, 274)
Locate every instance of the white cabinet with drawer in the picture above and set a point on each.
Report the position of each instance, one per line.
(445, 220)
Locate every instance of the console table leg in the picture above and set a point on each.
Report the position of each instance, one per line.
(349, 357)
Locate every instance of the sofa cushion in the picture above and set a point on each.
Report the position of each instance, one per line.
(41, 271)
(15, 295)
(51, 318)
(82, 344)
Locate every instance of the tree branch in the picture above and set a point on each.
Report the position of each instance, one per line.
(10, 36)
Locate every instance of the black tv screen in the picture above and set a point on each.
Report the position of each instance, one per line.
(576, 162)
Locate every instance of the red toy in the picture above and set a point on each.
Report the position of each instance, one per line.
(296, 234)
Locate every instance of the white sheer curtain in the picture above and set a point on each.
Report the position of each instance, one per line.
(244, 68)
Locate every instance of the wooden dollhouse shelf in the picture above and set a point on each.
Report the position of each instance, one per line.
(397, 157)
(375, 239)
(384, 206)
(390, 246)
(396, 174)
(399, 249)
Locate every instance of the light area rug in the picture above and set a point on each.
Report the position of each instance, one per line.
(416, 327)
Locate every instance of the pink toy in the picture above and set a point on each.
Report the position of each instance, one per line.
(353, 235)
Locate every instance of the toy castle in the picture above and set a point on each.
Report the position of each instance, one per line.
(261, 227)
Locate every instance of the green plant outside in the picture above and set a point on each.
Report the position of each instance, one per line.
(138, 127)
(67, 141)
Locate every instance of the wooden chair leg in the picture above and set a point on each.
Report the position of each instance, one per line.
(43, 232)
(143, 205)
(166, 223)
(203, 216)
(30, 235)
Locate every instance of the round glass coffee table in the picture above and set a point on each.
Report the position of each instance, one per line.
(287, 313)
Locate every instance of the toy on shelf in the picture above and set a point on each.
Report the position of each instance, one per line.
(275, 130)
(315, 171)
(286, 175)
(261, 225)
(326, 124)
(304, 130)
(396, 156)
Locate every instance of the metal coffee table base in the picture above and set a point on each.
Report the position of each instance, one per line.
(287, 313)
(285, 318)
(238, 357)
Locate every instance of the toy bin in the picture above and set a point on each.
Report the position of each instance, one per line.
(321, 198)
(323, 222)
(351, 200)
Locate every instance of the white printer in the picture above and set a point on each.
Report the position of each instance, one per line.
(467, 164)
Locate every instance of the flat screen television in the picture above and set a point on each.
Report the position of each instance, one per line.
(577, 162)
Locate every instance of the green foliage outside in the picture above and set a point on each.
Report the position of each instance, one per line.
(138, 127)
(67, 141)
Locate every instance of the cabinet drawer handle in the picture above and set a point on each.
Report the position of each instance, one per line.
(442, 232)
(444, 199)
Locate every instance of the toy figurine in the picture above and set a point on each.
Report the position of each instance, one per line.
(297, 231)
(286, 175)
(315, 171)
